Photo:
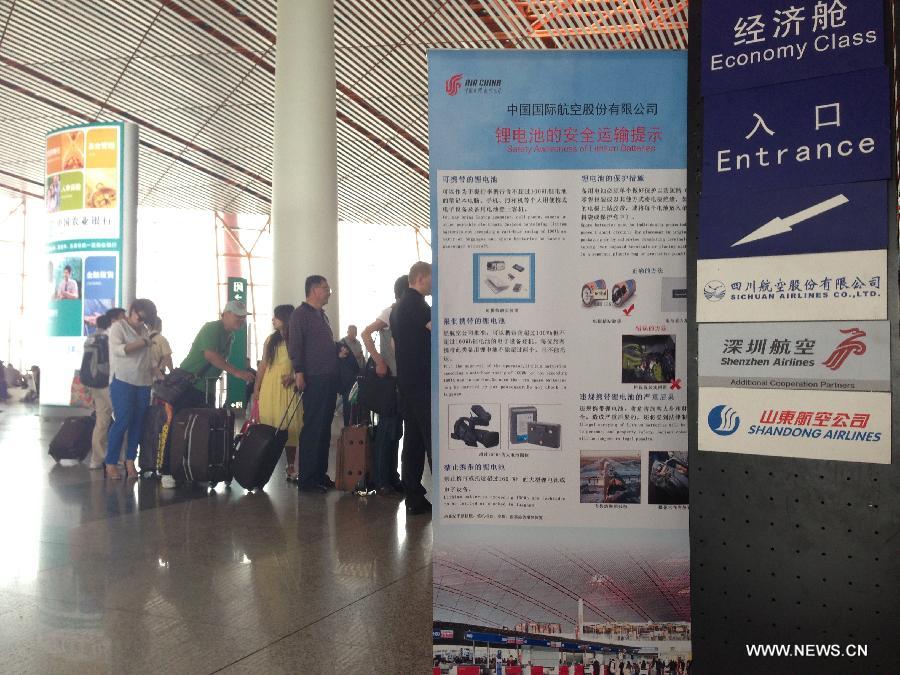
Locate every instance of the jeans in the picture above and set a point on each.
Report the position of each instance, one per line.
(129, 404)
(315, 439)
(387, 442)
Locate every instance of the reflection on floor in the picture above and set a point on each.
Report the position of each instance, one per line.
(123, 577)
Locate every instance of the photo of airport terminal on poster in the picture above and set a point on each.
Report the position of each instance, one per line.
(558, 212)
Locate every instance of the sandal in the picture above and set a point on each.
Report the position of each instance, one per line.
(112, 472)
(289, 474)
(130, 469)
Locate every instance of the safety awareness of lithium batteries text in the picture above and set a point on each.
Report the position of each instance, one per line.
(562, 347)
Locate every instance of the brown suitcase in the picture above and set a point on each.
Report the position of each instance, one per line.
(354, 459)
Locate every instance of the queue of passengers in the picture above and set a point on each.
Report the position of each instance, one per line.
(302, 355)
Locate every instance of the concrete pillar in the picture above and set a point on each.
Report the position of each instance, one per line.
(304, 190)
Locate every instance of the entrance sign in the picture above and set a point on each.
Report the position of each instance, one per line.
(828, 130)
(560, 390)
(794, 224)
(751, 44)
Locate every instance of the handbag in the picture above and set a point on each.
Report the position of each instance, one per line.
(378, 394)
(175, 384)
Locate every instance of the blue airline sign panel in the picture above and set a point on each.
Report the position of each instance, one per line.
(827, 130)
(761, 42)
(821, 219)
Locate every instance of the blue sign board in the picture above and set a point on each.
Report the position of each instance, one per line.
(816, 132)
(751, 44)
(556, 110)
(822, 219)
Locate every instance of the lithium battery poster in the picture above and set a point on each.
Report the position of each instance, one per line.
(559, 405)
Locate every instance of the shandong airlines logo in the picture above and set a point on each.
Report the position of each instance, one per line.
(851, 345)
(452, 85)
(723, 420)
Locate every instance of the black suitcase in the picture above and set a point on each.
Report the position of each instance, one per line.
(200, 443)
(153, 440)
(257, 451)
(73, 440)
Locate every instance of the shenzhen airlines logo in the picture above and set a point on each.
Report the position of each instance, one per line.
(723, 420)
(452, 85)
(851, 345)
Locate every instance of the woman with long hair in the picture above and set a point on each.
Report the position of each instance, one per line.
(275, 385)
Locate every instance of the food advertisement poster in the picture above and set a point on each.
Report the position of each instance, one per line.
(559, 340)
(83, 199)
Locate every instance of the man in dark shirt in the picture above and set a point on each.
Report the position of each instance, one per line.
(411, 328)
(314, 357)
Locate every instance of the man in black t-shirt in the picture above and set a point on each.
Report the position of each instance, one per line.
(411, 328)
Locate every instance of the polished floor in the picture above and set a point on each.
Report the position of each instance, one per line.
(104, 576)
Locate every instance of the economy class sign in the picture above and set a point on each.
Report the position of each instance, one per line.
(752, 44)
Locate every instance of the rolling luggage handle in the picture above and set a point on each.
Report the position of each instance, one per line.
(296, 395)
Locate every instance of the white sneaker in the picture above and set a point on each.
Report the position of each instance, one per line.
(95, 465)
(168, 482)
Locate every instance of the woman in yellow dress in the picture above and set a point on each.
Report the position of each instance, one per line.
(275, 386)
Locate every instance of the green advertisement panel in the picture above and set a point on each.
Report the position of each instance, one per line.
(84, 185)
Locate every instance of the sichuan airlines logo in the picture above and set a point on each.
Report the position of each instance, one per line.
(452, 85)
(851, 345)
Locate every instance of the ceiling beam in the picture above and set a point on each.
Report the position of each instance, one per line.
(119, 112)
(84, 117)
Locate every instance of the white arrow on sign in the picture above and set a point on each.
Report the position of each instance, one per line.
(780, 225)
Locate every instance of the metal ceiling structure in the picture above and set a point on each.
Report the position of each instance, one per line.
(497, 587)
(198, 76)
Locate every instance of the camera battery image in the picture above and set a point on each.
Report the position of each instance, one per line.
(648, 359)
(610, 477)
(474, 425)
(667, 478)
(519, 417)
(535, 426)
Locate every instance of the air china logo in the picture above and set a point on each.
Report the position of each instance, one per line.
(452, 85)
(851, 345)
(714, 291)
(472, 85)
(723, 420)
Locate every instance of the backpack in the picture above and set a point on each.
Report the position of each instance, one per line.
(95, 362)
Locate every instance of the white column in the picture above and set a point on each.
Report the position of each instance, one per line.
(304, 190)
(129, 214)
